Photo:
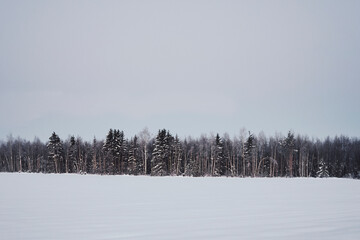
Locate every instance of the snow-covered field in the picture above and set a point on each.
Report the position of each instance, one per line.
(39, 206)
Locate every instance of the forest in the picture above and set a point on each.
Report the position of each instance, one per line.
(246, 155)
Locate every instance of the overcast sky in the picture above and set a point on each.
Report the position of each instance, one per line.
(82, 67)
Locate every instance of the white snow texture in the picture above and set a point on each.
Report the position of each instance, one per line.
(39, 206)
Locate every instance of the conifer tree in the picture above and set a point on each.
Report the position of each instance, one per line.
(124, 159)
(55, 151)
(108, 152)
(169, 153)
(288, 145)
(137, 154)
(158, 161)
(134, 161)
(72, 155)
(220, 163)
(249, 147)
(118, 151)
(177, 155)
(322, 169)
(94, 161)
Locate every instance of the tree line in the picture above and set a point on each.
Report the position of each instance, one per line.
(246, 155)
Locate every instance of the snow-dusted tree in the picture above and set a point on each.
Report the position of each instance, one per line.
(220, 162)
(55, 151)
(237, 151)
(66, 154)
(177, 155)
(118, 151)
(322, 169)
(137, 154)
(303, 165)
(81, 155)
(192, 167)
(169, 154)
(3, 158)
(124, 156)
(38, 150)
(288, 145)
(134, 162)
(72, 156)
(10, 153)
(94, 162)
(87, 162)
(158, 161)
(249, 154)
(108, 148)
(229, 155)
(18, 157)
(242, 141)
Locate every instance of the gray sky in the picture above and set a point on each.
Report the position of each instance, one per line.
(82, 67)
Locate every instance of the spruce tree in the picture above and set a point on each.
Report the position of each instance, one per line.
(118, 151)
(72, 156)
(55, 152)
(137, 154)
(249, 147)
(288, 145)
(177, 155)
(220, 163)
(158, 161)
(94, 161)
(134, 162)
(169, 153)
(108, 152)
(322, 169)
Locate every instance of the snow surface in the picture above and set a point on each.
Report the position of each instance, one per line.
(40, 206)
